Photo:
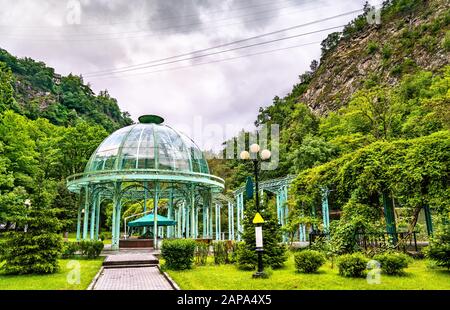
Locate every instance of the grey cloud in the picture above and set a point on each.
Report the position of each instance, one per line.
(222, 93)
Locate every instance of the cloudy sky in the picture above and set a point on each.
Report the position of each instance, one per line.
(120, 45)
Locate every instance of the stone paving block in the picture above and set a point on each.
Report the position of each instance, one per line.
(132, 278)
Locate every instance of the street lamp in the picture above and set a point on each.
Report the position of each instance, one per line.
(263, 155)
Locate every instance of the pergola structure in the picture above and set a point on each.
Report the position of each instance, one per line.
(279, 187)
(152, 162)
(146, 161)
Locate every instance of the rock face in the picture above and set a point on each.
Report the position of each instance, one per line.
(402, 43)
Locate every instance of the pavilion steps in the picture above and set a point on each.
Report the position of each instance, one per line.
(131, 259)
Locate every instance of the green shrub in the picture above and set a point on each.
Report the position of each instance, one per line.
(246, 258)
(352, 265)
(178, 253)
(372, 47)
(220, 252)
(439, 249)
(69, 249)
(446, 41)
(26, 253)
(386, 52)
(392, 263)
(308, 261)
(105, 235)
(91, 248)
(201, 253)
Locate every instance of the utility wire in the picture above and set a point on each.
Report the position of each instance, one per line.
(206, 63)
(228, 44)
(215, 53)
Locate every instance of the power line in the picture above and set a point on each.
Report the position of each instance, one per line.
(228, 44)
(145, 33)
(215, 53)
(206, 63)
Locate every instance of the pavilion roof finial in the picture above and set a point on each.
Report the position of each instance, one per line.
(150, 119)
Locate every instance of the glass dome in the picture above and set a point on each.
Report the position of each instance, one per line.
(148, 146)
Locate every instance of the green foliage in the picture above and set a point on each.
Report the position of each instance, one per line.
(90, 248)
(246, 257)
(220, 252)
(61, 99)
(372, 47)
(352, 265)
(308, 261)
(439, 247)
(201, 253)
(274, 254)
(330, 43)
(178, 253)
(69, 249)
(392, 263)
(446, 41)
(36, 250)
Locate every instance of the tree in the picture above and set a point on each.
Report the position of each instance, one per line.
(7, 100)
(274, 254)
(314, 65)
(37, 249)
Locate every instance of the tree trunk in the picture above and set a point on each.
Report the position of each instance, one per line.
(414, 221)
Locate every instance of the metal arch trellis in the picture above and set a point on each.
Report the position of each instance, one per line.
(280, 187)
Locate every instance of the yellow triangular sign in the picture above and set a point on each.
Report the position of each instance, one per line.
(258, 219)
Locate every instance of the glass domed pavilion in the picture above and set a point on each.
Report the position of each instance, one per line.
(148, 160)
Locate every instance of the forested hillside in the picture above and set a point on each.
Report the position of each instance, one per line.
(357, 123)
(35, 90)
(49, 127)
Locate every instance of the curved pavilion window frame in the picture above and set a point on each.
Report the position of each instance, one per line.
(190, 192)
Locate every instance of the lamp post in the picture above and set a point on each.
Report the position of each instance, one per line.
(257, 158)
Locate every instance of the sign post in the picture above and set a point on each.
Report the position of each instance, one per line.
(258, 221)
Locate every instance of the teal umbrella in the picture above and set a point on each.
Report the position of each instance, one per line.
(148, 220)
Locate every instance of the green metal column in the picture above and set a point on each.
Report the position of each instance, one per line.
(389, 217)
(210, 213)
(325, 210)
(155, 216)
(187, 218)
(238, 220)
(86, 213)
(229, 220)
(220, 223)
(170, 215)
(279, 215)
(116, 216)
(145, 201)
(92, 228)
(232, 222)
(286, 208)
(80, 207)
(428, 220)
(97, 216)
(192, 224)
(204, 217)
(183, 221)
(215, 221)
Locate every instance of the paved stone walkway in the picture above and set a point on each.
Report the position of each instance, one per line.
(131, 269)
(137, 278)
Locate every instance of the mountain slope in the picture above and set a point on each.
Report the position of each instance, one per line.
(40, 92)
(413, 35)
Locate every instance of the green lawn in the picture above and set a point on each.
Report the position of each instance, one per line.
(57, 281)
(228, 277)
